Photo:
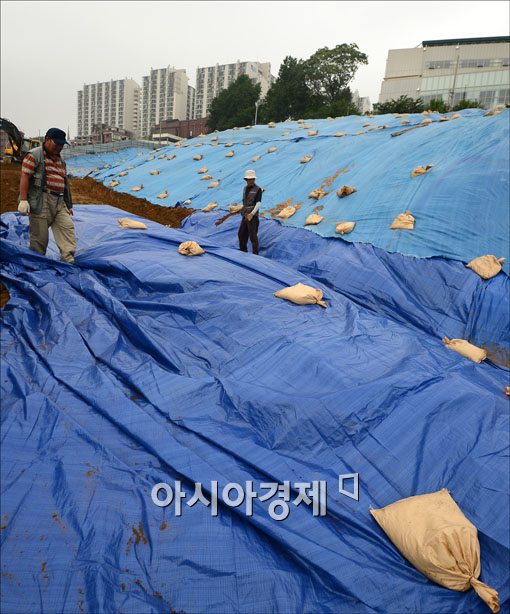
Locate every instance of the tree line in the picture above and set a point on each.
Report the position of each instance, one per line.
(314, 88)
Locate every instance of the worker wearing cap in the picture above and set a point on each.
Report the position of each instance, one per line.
(45, 196)
(252, 195)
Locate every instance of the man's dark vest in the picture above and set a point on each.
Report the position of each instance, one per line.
(38, 182)
(249, 196)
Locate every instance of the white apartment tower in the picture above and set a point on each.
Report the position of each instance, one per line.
(451, 70)
(114, 103)
(213, 79)
(164, 96)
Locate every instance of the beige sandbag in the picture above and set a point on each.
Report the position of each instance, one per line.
(161, 157)
(301, 294)
(340, 134)
(300, 121)
(344, 228)
(202, 170)
(255, 158)
(154, 172)
(403, 221)
(213, 184)
(235, 208)
(170, 157)
(198, 157)
(271, 125)
(305, 159)
(425, 112)
(163, 195)
(214, 138)
(210, 207)
(130, 168)
(305, 126)
(201, 135)
(317, 194)
(312, 133)
(126, 222)
(137, 188)
(206, 177)
(496, 110)
(426, 122)
(405, 122)
(187, 202)
(361, 132)
(444, 119)
(421, 170)
(247, 143)
(486, 266)
(455, 116)
(433, 534)
(190, 248)
(228, 144)
(198, 144)
(106, 166)
(150, 158)
(230, 154)
(466, 349)
(313, 218)
(113, 183)
(507, 391)
(122, 174)
(345, 190)
(284, 214)
(365, 125)
(271, 149)
(401, 114)
(235, 128)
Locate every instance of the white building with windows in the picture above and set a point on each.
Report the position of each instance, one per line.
(451, 70)
(212, 80)
(113, 103)
(164, 96)
(190, 105)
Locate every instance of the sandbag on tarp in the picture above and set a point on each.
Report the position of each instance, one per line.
(461, 206)
(436, 296)
(85, 164)
(137, 366)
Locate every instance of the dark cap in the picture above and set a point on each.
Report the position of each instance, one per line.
(57, 135)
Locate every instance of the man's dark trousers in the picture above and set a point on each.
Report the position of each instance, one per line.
(249, 229)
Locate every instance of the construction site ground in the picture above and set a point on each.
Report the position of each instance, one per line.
(88, 192)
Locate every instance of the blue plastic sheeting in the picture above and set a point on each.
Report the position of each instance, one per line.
(138, 366)
(80, 166)
(436, 296)
(460, 205)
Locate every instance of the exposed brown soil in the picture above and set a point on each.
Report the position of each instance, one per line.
(88, 192)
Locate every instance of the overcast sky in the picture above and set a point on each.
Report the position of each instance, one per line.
(49, 50)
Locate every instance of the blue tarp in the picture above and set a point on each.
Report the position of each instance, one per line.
(138, 366)
(460, 205)
(86, 164)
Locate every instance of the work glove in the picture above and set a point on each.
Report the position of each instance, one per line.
(24, 207)
(249, 217)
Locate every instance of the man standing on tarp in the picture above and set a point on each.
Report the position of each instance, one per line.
(45, 196)
(249, 227)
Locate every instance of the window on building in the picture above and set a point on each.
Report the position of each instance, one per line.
(439, 64)
(487, 97)
(504, 96)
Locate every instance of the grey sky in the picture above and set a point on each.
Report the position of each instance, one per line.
(50, 49)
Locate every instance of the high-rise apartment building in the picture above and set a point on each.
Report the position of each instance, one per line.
(114, 103)
(190, 105)
(164, 96)
(451, 70)
(213, 79)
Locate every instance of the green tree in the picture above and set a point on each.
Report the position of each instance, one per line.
(235, 105)
(437, 104)
(289, 96)
(467, 104)
(403, 104)
(329, 71)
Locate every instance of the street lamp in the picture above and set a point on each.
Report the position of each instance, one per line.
(256, 110)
